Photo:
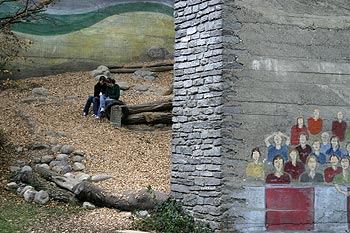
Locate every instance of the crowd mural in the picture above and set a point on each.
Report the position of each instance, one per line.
(296, 159)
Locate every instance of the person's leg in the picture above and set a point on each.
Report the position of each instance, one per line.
(96, 105)
(108, 101)
(102, 106)
(87, 105)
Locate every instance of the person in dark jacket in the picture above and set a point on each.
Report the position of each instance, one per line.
(112, 93)
(99, 89)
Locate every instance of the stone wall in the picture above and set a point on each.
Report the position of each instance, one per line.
(196, 177)
(243, 70)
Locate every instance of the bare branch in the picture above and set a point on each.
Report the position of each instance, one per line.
(13, 12)
(27, 11)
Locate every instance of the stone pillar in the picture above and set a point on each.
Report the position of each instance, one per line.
(196, 176)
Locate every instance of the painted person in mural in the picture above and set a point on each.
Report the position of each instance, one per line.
(303, 148)
(315, 123)
(255, 169)
(316, 146)
(342, 178)
(279, 176)
(294, 167)
(279, 148)
(333, 170)
(99, 88)
(339, 127)
(325, 143)
(296, 130)
(335, 147)
(347, 152)
(311, 175)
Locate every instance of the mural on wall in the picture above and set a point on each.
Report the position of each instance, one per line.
(90, 33)
(294, 160)
(310, 155)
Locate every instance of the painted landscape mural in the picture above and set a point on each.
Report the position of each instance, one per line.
(80, 35)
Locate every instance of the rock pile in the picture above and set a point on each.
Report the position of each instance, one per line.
(62, 159)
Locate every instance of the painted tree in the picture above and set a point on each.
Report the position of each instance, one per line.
(13, 12)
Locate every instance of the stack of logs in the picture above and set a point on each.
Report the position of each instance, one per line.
(158, 112)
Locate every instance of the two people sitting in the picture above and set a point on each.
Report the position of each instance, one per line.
(105, 91)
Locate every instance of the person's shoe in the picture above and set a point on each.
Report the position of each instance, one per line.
(97, 117)
(102, 109)
(85, 114)
(93, 115)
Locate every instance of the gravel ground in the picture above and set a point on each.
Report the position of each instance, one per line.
(135, 158)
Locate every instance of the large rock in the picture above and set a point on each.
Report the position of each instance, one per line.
(57, 169)
(46, 159)
(82, 176)
(28, 100)
(40, 147)
(29, 195)
(43, 165)
(157, 53)
(103, 68)
(100, 71)
(67, 149)
(100, 177)
(149, 78)
(26, 169)
(36, 160)
(40, 91)
(21, 191)
(124, 85)
(12, 186)
(79, 152)
(89, 205)
(58, 163)
(77, 158)
(78, 166)
(69, 175)
(141, 88)
(41, 197)
(62, 157)
(144, 73)
(56, 148)
(66, 169)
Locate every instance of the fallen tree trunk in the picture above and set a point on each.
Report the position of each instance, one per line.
(123, 70)
(86, 191)
(162, 63)
(42, 179)
(161, 68)
(156, 106)
(149, 118)
(157, 67)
